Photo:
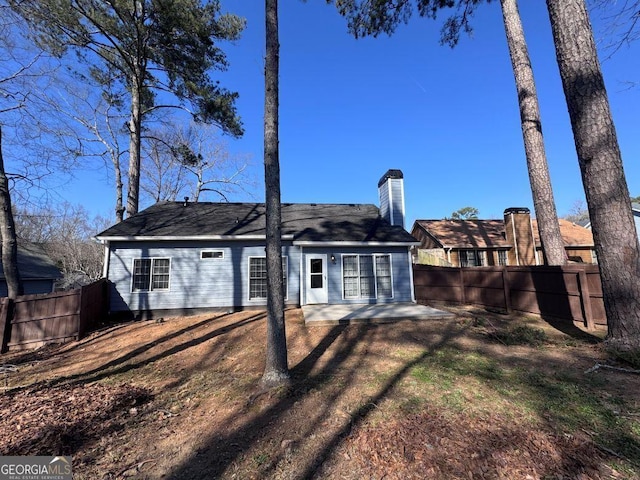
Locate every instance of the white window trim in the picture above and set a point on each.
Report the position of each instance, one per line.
(133, 267)
(375, 274)
(221, 257)
(285, 271)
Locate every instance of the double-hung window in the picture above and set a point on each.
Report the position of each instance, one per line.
(258, 277)
(502, 257)
(151, 274)
(473, 258)
(367, 276)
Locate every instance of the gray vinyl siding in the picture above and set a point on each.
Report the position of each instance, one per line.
(224, 282)
(193, 282)
(397, 192)
(400, 268)
(636, 218)
(383, 192)
(391, 201)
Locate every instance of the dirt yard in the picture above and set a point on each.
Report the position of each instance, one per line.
(481, 396)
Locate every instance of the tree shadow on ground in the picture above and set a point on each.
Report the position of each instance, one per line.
(126, 363)
(569, 328)
(220, 451)
(328, 367)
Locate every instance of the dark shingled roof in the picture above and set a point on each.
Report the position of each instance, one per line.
(33, 263)
(304, 221)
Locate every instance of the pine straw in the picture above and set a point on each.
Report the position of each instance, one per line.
(55, 420)
(433, 445)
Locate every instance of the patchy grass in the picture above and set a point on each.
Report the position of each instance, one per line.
(522, 335)
(479, 396)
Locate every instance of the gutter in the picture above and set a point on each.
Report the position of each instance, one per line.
(311, 243)
(149, 238)
(515, 239)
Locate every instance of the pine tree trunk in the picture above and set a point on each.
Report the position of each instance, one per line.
(543, 201)
(135, 123)
(8, 235)
(276, 371)
(603, 178)
(119, 206)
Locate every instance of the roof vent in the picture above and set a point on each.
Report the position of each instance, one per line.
(186, 201)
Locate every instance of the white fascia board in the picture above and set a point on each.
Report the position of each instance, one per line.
(150, 238)
(310, 243)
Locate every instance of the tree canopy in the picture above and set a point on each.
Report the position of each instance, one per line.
(145, 55)
(465, 213)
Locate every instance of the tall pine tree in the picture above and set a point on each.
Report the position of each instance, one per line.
(147, 51)
(603, 178)
(276, 370)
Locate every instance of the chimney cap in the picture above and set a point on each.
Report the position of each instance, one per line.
(517, 210)
(391, 173)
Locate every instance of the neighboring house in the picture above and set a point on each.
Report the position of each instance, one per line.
(512, 241)
(635, 208)
(181, 256)
(37, 271)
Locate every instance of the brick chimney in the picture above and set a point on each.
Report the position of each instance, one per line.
(391, 193)
(519, 233)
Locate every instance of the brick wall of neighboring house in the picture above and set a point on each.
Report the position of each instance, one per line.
(517, 225)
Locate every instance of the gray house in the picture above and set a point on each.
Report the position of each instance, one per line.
(181, 256)
(37, 271)
(635, 208)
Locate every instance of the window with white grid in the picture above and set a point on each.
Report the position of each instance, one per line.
(258, 277)
(367, 276)
(151, 274)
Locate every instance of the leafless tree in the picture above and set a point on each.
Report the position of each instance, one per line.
(578, 212)
(621, 19)
(194, 161)
(66, 233)
(9, 245)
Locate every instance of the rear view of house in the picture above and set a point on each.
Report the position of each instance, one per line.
(512, 241)
(184, 256)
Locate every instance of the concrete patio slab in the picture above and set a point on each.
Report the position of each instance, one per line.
(364, 313)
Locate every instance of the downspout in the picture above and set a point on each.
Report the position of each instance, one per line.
(515, 239)
(105, 262)
(448, 254)
(300, 293)
(413, 288)
(533, 238)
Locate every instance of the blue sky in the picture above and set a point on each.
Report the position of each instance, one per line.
(351, 109)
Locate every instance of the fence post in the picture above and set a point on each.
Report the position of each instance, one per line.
(5, 324)
(463, 293)
(585, 298)
(507, 289)
(82, 313)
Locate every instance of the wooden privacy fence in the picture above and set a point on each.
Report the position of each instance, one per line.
(571, 292)
(30, 321)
